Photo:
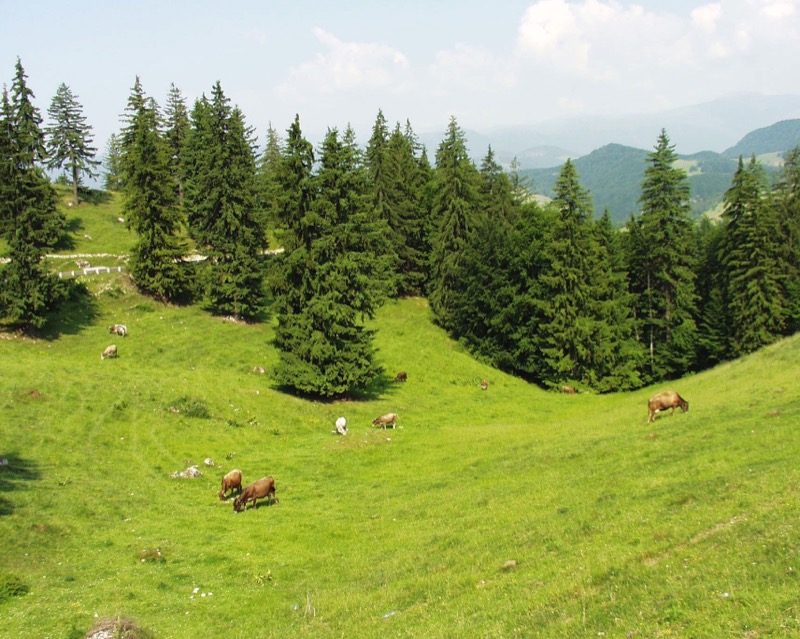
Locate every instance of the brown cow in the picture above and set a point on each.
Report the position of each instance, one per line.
(484, 384)
(568, 390)
(663, 401)
(231, 481)
(401, 377)
(384, 420)
(264, 487)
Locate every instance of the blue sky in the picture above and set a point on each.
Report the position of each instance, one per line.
(334, 63)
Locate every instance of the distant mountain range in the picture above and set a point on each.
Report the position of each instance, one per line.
(613, 174)
(710, 126)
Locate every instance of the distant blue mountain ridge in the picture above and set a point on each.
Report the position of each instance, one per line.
(613, 174)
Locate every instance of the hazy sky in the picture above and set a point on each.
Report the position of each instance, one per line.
(334, 62)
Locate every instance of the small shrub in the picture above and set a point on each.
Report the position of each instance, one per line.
(11, 586)
(191, 407)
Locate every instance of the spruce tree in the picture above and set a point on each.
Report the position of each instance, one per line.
(497, 191)
(455, 204)
(378, 167)
(568, 301)
(396, 187)
(412, 210)
(176, 120)
(70, 139)
(616, 354)
(150, 204)
(112, 163)
(221, 201)
(753, 273)
(785, 202)
(662, 266)
(489, 282)
(29, 217)
(336, 275)
(713, 322)
(268, 183)
(484, 313)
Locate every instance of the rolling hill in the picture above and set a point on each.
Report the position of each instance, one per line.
(499, 513)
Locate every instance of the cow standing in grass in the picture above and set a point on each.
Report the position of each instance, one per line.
(663, 401)
(384, 420)
(231, 481)
(264, 487)
(111, 351)
(118, 329)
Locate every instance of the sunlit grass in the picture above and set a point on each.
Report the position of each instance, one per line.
(498, 513)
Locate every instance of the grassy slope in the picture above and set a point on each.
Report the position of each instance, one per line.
(687, 527)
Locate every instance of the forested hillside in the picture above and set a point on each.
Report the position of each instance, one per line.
(613, 173)
(555, 293)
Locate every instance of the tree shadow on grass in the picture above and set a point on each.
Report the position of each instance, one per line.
(93, 196)
(381, 387)
(67, 241)
(78, 312)
(15, 471)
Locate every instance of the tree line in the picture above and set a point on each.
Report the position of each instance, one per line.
(549, 292)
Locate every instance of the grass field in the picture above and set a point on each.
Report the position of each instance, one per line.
(509, 512)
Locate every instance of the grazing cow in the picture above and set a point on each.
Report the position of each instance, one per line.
(484, 384)
(341, 426)
(663, 401)
(231, 481)
(118, 329)
(264, 487)
(401, 377)
(111, 351)
(568, 390)
(384, 420)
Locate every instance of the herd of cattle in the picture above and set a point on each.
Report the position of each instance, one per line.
(265, 487)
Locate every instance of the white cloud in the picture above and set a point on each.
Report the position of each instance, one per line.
(593, 37)
(779, 9)
(614, 48)
(472, 67)
(348, 66)
(707, 16)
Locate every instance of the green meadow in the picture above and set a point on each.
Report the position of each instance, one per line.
(510, 512)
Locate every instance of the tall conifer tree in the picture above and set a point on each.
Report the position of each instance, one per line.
(616, 354)
(662, 266)
(786, 203)
(112, 163)
(29, 217)
(336, 273)
(568, 300)
(268, 183)
(221, 201)
(497, 191)
(396, 181)
(413, 177)
(713, 321)
(69, 139)
(454, 209)
(753, 273)
(176, 120)
(150, 202)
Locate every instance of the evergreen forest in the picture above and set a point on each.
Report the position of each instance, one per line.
(318, 239)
